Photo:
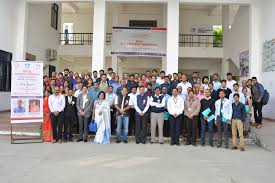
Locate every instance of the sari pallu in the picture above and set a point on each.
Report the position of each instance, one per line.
(103, 122)
(46, 127)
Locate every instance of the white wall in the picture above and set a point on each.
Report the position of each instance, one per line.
(237, 38)
(41, 35)
(8, 34)
(267, 32)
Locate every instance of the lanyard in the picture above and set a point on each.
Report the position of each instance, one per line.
(175, 101)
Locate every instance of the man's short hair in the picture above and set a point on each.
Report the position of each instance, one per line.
(215, 74)
(254, 78)
(236, 84)
(175, 89)
(157, 88)
(110, 69)
(223, 81)
(66, 70)
(229, 74)
(236, 94)
(221, 91)
(60, 73)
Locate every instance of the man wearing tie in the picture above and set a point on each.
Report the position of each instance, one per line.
(223, 115)
(70, 115)
(175, 107)
(84, 106)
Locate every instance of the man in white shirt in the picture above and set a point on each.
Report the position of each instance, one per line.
(160, 79)
(184, 84)
(110, 97)
(236, 90)
(175, 107)
(223, 115)
(229, 81)
(141, 104)
(57, 105)
(216, 83)
(132, 111)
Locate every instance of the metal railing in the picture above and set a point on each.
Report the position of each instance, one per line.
(194, 40)
(185, 40)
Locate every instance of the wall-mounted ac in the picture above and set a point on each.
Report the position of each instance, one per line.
(51, 54)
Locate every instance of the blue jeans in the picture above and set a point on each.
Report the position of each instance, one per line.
(210, 131)
(221, 125)
(122, 120)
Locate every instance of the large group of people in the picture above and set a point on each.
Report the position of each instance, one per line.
(171, 104)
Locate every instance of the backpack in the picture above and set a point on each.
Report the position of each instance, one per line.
(265, 98)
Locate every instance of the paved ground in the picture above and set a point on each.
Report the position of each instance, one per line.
(131, 163)
(266, 135)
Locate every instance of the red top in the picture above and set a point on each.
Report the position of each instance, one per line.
(46, 107)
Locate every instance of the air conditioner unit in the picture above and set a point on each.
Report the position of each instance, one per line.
(51, 54)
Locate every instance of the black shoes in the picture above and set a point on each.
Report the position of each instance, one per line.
(171, 144)
(219, 145)
(234, 148)
(226, 146)
(125, 141)
(85, 140)
(117, 141)
(79, 140)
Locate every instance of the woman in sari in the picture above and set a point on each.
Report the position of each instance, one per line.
(101, 116)
(47, 127)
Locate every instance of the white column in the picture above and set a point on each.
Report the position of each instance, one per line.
(21, 33)
(164, 24)
(225, 68)
(99, 35)
(225, 29)
(115, 14)
(255, 42)
(172, 36)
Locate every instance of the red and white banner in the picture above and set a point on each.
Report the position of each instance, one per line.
(128, 41)
(27, 92)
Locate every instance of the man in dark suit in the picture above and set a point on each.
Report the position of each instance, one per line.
(70, 115)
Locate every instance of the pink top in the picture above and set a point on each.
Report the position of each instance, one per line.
(200, 96)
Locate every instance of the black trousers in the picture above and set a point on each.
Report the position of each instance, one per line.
(141, 127)
(132, 121)
(68, 126)
(192, 129)
(175, 128)
(113, 127)
(57, 123)
(258, 115)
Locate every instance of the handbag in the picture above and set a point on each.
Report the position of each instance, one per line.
(93, 126)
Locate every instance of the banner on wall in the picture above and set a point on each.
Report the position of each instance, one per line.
(244, 63)
(128, 41)
(27, 92)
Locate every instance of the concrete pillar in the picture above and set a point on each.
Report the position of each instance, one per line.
(225, 68)
(115, 16)
(255, 42)
(172, 60)
(21, 30)
(99, 35)
(163, 63)
(225, 29)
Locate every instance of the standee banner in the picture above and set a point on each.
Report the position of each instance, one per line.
(128, 41)
(27, 92)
